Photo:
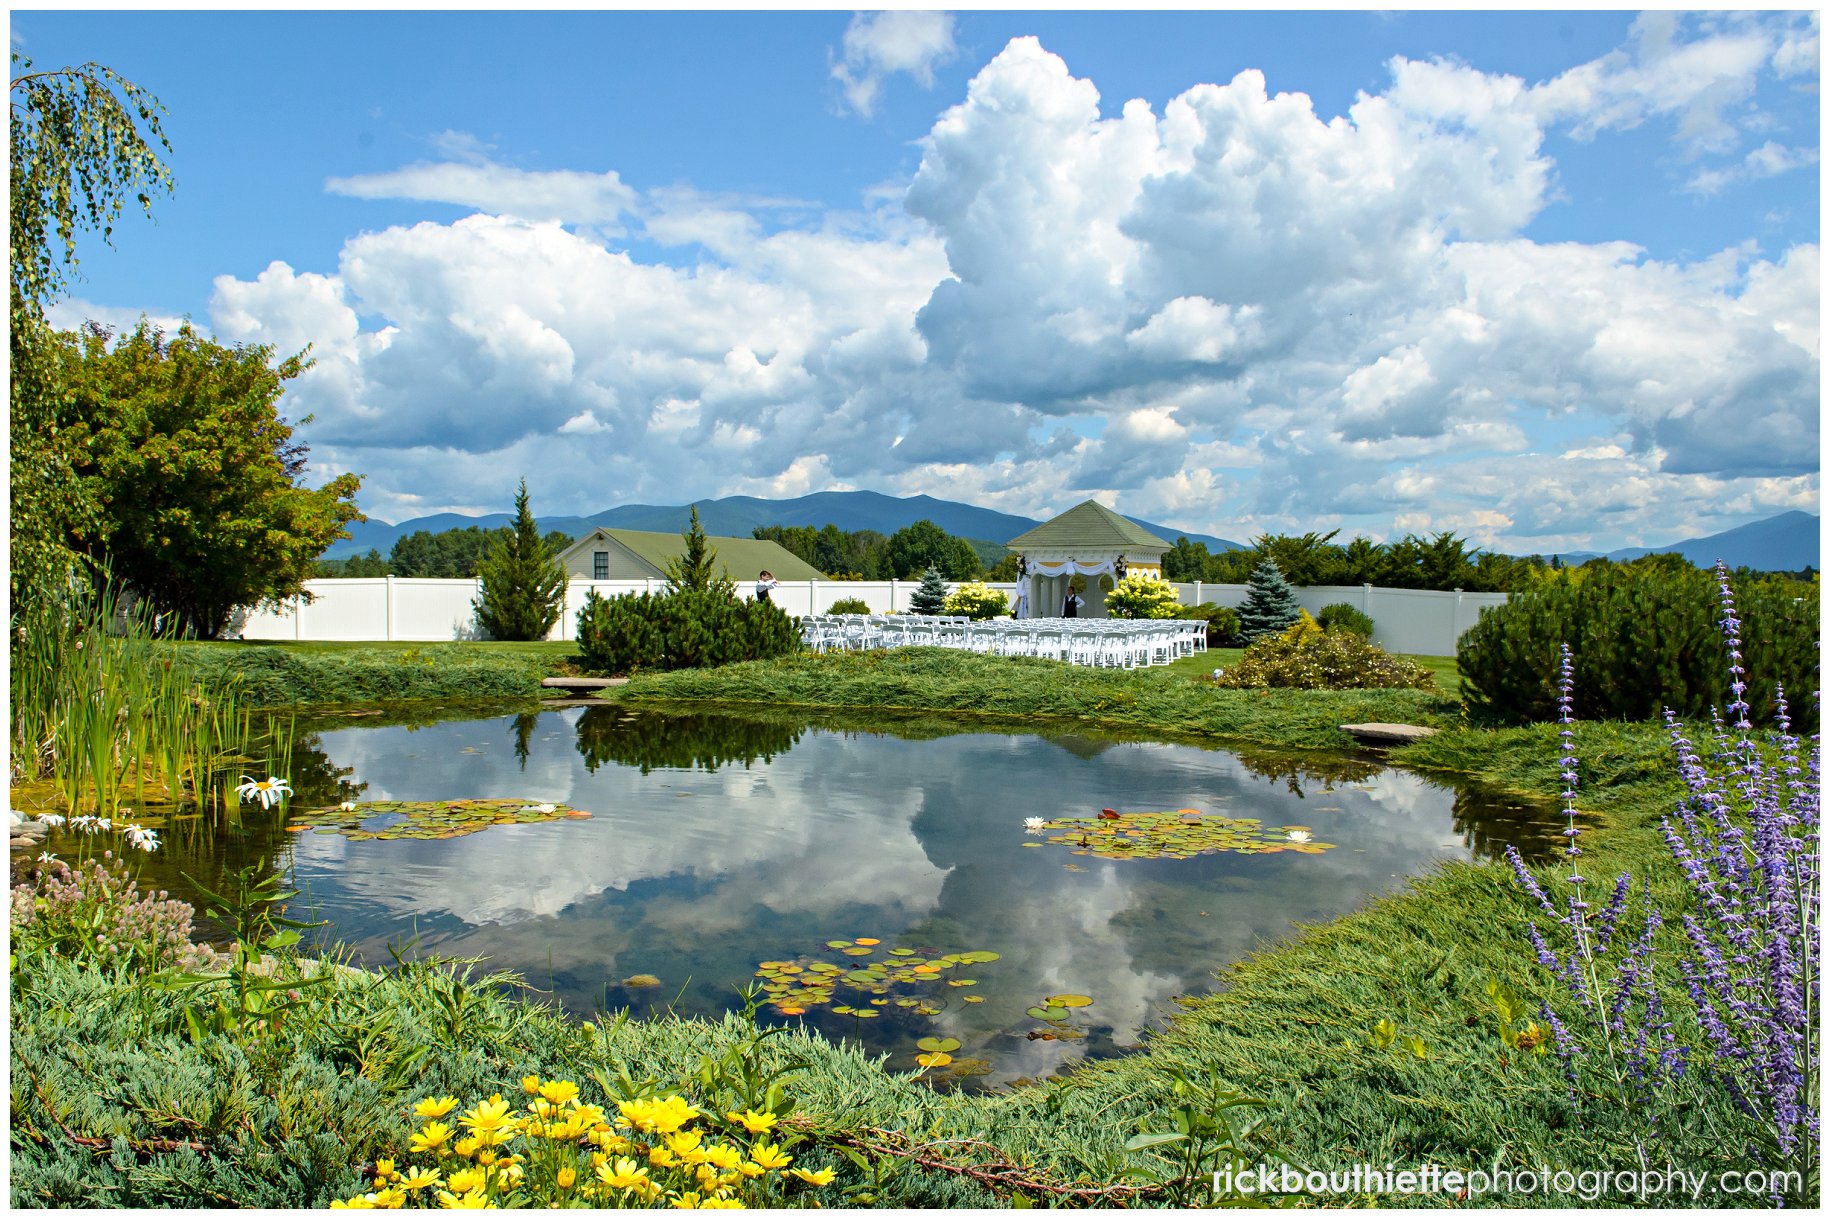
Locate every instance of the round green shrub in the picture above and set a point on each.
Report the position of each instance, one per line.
(1305, 657)
(849, 605)
(1342, 616)
(1143, 597)
(976, 601)
(1222, 622)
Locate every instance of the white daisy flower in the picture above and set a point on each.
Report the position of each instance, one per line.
(140, 836)
(267, 791)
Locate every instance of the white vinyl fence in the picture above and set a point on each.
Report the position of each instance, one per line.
(390, 608)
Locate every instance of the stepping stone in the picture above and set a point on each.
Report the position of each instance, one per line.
(1387, 734)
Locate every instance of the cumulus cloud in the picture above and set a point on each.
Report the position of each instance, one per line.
(878, 45)
(1236, 315)
(1767, 161)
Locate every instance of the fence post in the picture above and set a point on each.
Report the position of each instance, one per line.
(390, 607)
(298, 617)
(813, 596)
(892, 594)
(1197, 592)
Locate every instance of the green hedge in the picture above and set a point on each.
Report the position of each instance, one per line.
(1642, 641)
(680, 629)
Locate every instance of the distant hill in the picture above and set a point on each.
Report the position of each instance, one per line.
(1790, 541)
(1787, 542)
(735, 516)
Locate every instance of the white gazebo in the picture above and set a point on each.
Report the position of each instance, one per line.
(1088, 540)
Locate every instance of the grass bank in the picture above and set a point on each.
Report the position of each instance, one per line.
(292, 674)
(290, 1122)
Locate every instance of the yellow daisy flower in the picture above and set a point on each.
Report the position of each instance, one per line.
(566, 1176)
(475, 1200)
(625, 1174)
(823, 1177)
(755, 1123)
(418, 1178)
(684, 1202)
(530, 1084)
(770, 1156)
(438, 1107)
(431, 1138)
(559, 1091)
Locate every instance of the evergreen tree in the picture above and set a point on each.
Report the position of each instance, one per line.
(1270, 603)
(697, 569)
(524, 587)
(932, 595)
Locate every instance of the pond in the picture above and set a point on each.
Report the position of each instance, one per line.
(849, 865)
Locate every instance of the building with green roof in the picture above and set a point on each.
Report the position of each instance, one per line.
(631, 554)
(1089, 541)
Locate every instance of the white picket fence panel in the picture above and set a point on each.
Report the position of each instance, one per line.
(421, 610)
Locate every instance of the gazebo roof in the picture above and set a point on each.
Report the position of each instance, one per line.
(1088, 526)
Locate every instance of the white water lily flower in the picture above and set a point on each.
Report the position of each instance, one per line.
(140, 836)
(1300, 835)
(348, 806)
(543, 808)
(1034, 825)
(267, 790)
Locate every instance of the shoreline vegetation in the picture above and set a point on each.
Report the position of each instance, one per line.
(1372, 1039)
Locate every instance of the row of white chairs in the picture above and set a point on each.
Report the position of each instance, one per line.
(1097, 642)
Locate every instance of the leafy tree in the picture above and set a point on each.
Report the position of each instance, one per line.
(1005, 571)
(82, 144)
(931, 597)
(197, 474)
(696, 569)
(923, 545)
(1186, 561)
(1270, 604)
(355, 567)
(801, 541)
(524, 587)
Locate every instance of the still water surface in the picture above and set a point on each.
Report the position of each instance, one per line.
(718, 841)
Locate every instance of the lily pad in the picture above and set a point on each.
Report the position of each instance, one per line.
(942, 1044)
(1069, 1001)
(425, 819)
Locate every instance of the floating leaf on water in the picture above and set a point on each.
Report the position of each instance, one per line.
(934, 1060)
(902, 952)
(962, 982)
(865, 1013)
(938, 1043)
(641, 981)
(838, 943)
(844, 1010)
(974, 998)
(1069, 1001)
(1048, 1013)
(855, 951)
(925, 1010)
(866, 940)
(979, 956)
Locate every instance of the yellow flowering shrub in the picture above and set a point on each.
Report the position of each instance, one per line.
(559, 1151)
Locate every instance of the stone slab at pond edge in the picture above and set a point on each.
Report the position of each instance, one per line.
(1387, 734)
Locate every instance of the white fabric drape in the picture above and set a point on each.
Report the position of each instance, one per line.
(1066, 567)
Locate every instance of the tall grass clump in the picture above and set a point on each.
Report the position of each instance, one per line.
(106, 711)
(1728, 1063)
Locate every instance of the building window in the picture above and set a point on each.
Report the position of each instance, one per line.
(600, 565)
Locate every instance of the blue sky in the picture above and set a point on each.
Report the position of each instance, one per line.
(1547, 279)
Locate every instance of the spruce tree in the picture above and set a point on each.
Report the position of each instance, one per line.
(1270, 603)
(696, 570)
(524, 587)
(931, 597)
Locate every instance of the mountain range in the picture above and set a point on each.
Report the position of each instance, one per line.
(735, 516)
(1787, 542)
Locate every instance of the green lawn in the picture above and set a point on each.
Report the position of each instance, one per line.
(553, 652)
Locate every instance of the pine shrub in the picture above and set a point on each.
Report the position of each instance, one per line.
(1344, 617)
(849, 605)
(931, 597)
(1305, 657)
(680, 629)
(1222, 622)
(1270, 603)
(976, 601)
(1641, 640)
(524, 587)
(1143, 597)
